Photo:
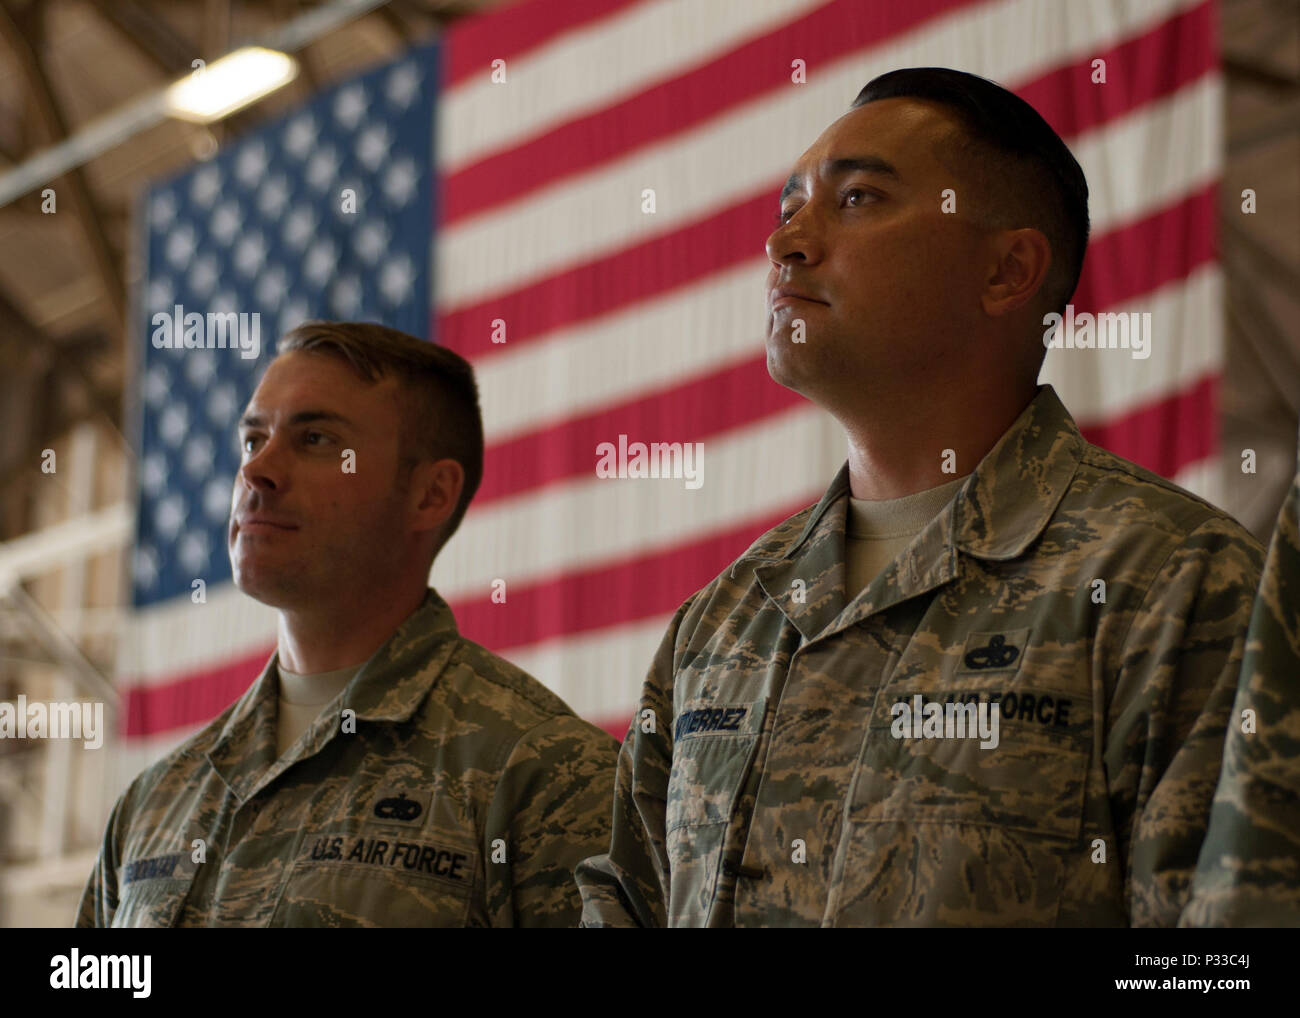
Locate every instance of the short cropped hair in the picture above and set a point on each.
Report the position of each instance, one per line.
(442, 419)
(1024, 171)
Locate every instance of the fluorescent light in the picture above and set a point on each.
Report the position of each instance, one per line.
(230, 83)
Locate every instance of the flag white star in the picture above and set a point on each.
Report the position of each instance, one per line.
(250, 253)
(395, 279)
(294, 313)
(157, 386)
(199, 455)
(200, 366)
(226, 221)
(372, 240)
(153, 473)
(251, 162)
(206, 186)
(320, 261)
(222, 405)
(400, 182)
(161, 294)
(299, 227)
(173, 423)
(345, 297)
(194, 551)
(350, 106)
(272, 287)
(168, 516)
(372, 146)
(273, 197)
(203, 276)
(162, 210)
(322, 168)
(217, 496)
(145, 566)
(403, 82)
(180, 246)
(300, 135)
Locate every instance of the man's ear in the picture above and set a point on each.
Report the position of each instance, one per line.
(1019, 266)
(435, 491)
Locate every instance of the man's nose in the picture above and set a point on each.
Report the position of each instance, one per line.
(797, 239)
(265, 469)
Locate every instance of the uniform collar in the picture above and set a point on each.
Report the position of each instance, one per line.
(1001, 509)
(389, 687)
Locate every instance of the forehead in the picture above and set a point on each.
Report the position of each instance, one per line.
(300, 376)
(905, 133)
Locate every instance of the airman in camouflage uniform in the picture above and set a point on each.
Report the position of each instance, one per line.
(1094, 611)
(462, 793)
(382, 771)
(760, 784)
(1249, 872)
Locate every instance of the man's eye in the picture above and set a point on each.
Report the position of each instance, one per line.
(247, 442)
(315, 437)
(783, 217)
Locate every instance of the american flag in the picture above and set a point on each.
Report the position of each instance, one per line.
(554, 122)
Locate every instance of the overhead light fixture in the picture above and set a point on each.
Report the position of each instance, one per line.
(230, 83)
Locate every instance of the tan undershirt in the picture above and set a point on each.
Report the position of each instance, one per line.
(301, 700)
(877, 531)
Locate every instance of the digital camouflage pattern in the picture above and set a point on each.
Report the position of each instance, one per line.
(760, 783)
(466, 796)
(1249, 873)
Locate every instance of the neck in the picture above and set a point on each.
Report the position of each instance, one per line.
(327, 637)
(897, 446)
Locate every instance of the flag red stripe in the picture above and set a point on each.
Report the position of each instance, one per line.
(1139, 71)
(630, 589)
(1127, 263)
(192, 698)
(1167, 434)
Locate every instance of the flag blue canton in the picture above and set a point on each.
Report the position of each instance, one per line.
(262, 228)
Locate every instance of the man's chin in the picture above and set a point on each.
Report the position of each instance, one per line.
(786, 368)
(272, 587)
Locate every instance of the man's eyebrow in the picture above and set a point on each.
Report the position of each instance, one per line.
(839, 167)
(301, 417)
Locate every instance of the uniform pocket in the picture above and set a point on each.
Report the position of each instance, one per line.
(378, 877)
(1032, 780)
(944, 832)
(153, 890)
(714, 745)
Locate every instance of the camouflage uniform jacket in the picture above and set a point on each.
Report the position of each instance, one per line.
(760, 783)
(1249, 872)
(464, 796)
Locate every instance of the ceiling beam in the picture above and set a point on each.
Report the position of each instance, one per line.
(75, 188)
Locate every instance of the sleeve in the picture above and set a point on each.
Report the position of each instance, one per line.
(99, 899)
(628, 886)
(550, 809)
(1249, 868)
(1164, 738)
